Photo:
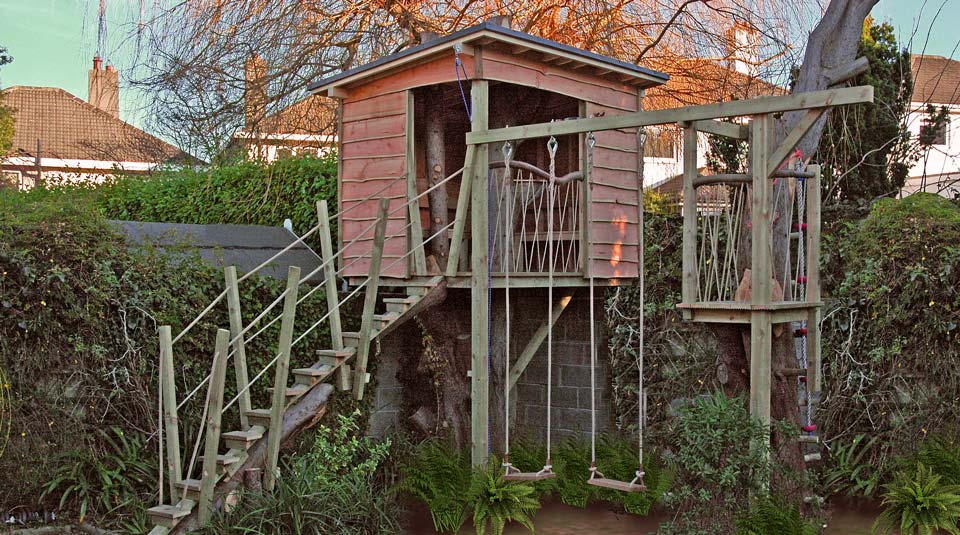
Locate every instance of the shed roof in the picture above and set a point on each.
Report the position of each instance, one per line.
(485, 33)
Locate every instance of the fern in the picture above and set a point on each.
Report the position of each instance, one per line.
(496, 501)
(919, 504)
(943, 457)
(774, 517)
(439, 475)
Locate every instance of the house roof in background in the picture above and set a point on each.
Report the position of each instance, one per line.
(495, 32)
(695, 81)
(936, 79)
(312, 115)
(72, 129)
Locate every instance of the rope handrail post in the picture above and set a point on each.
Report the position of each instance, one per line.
(239, 348)
(330, 286)
(279, 399)
(168, 391)
(370, 300)
(208, 475)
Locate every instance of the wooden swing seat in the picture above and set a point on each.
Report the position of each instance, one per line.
(528, 476)
(615, 484)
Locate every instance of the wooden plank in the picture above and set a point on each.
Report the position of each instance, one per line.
(761, 334)
(689, 282)
(209, 476)
(723, 128)
(359, 170)
(419, 257)
(329, 276)
(279, 397)
(785, 150)
(169, 389)
(374, 128)
(479, 284)
(239, 347)
(463, 207)
(391, 147)
(736, 108)
(356, 109)
(435, 71)
(813, 201)
(539, 335)
(369, 303)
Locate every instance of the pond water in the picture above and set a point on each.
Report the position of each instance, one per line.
(558, 519)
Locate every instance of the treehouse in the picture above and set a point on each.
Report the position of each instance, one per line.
(489, 160)
(402, 125)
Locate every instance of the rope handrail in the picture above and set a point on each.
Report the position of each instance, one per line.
(279, 299)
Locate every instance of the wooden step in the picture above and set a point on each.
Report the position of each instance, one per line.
(242, 440)
(352, 338)
(811, 457)
(259, 417)
(809, 439)
(312, 376)
(295, 391)
(419, 287)
(380, 321)
(169, 516)
(334, 357)
(192, 486)
(400, 304)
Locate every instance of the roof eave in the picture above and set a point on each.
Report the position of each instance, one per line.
(333, 85)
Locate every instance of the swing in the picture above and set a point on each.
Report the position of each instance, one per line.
(512, 473)
(597, 478)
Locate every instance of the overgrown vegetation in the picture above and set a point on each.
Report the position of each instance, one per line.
(78, 335)
(339, 487)
(919, 502)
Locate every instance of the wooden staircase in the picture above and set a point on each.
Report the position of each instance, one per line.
(228, 456)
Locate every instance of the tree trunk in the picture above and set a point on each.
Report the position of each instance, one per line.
(436, 165)
(831, 48)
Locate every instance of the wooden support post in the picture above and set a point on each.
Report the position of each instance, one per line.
(814, 376)
(211, 446)
(479, 283)
(419, 257)
(761, 335)
(539, 336)
(171, 425)
(239, 349)
(330, 275)
(279, 400)
(463, 208)
(370, 301)
(689, 283)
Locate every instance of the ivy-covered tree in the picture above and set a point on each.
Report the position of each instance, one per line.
(866, 149)
(6, 113)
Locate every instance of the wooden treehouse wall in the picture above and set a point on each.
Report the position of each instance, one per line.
(374, 141)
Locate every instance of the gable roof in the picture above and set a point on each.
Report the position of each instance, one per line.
(696, 81)
(936, 79)
(489, 32)
(72, 129)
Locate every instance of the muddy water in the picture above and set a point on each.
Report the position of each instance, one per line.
(558, 519)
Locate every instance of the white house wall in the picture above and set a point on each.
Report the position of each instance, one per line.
(938, 169)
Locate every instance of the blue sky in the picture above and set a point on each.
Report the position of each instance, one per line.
(54, 41)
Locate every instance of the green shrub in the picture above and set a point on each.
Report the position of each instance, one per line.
(720, 457)
(941, 455)
(919, 503)
(848, 470)
(768, 516)
(438, 474)
(497, 502)
(342, 450)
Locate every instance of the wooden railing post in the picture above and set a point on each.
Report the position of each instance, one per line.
(239, 348)
(171, 426)
(330, 285)
(690, 281)
(279, 401)
(370, 301)
(479, 282)
(419, 259)
(211, 446)
(761, 264)
(463, 208)
(814, 377)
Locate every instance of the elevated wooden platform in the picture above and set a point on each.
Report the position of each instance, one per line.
(739, 312)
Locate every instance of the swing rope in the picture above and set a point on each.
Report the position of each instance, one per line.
(508, 250)
(551, 193)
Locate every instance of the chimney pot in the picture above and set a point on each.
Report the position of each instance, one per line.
(502, 20)
(96, 63)
(110, 68)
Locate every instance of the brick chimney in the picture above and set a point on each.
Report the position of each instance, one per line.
(104, 88)
(743, 44)
(255, 92)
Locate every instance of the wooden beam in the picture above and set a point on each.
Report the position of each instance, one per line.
(338, 92)
(689, 282)
(761, 334)
(519, 49)
(813, 279)
(479, 284)
(737, 108)
(463, 209)
(785, 150)
(330, 286)
(419, 258)
(168, 388)
(279, 400)
(723, 128)
(239, 347)
(211, 446)
(536, 340)
(370, 301)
